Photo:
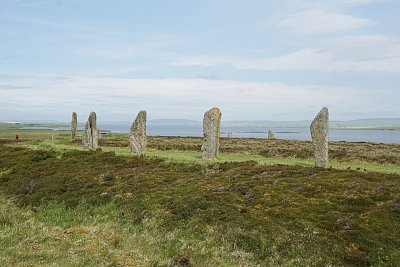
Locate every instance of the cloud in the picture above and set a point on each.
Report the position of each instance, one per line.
(149, 47)
(358, 53)
(59, 26)
(319, 21)
(205, 61)
(119, 99)
(361, 2)
(326, 5)
(13, 87)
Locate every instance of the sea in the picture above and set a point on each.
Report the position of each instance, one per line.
(298, 133)
(288, 133)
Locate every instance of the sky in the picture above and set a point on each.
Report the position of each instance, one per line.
(254, 59)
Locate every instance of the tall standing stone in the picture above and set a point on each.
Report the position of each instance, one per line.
(98, 134)
(320, 133)
(271, 135)
(91, 134)
(137, 136)
(74, 124)
(87, 136)
(94, 131)
(211, 131)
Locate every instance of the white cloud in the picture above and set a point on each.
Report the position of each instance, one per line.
(325, 4)
(63, 26)
(319, 21)
(120, 99)
(360, 2)
(149, 46)
(203, 60)
(359, 53)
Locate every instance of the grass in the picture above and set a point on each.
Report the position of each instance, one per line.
(87, 208)
(9, 131)
(83, 236)
(61, 205)
(194, 157)
(339, 151)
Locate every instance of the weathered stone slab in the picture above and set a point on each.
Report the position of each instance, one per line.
(74, 124)
(230, 135)
(211, 131)
(137, 137)
(320, 134)
(94, 130)
(271, 135)
(87, 136)
(91, 134)
(98, 134)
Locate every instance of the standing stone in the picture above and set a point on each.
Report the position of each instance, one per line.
(74, 123)
(137, 136)
(230, 135)
(319, 133)
(271, 135)
(91, 134)
(211, 130)
(96, 137)
(94, 130)
(87, 136)
(98, 134)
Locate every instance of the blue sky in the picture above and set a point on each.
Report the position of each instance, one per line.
(256, 60)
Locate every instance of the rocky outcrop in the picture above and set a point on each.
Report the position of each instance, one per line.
(91, 134)
(87, 136)
(74, 124)
(271, 135)
(211, 131)
(320, 133)
(137, 136)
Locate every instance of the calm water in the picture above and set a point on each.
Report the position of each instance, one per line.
(376, 136)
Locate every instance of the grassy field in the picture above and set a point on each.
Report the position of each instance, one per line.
(339, 151)
(254, 206)
(370, 157)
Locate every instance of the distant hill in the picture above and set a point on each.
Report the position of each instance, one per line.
(183, 122)
(383, 122)
(266, 123)
(361, 123)
(380, 123)
(173, 122)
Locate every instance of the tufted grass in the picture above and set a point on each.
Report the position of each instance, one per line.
(194, 157)
(95, 208)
